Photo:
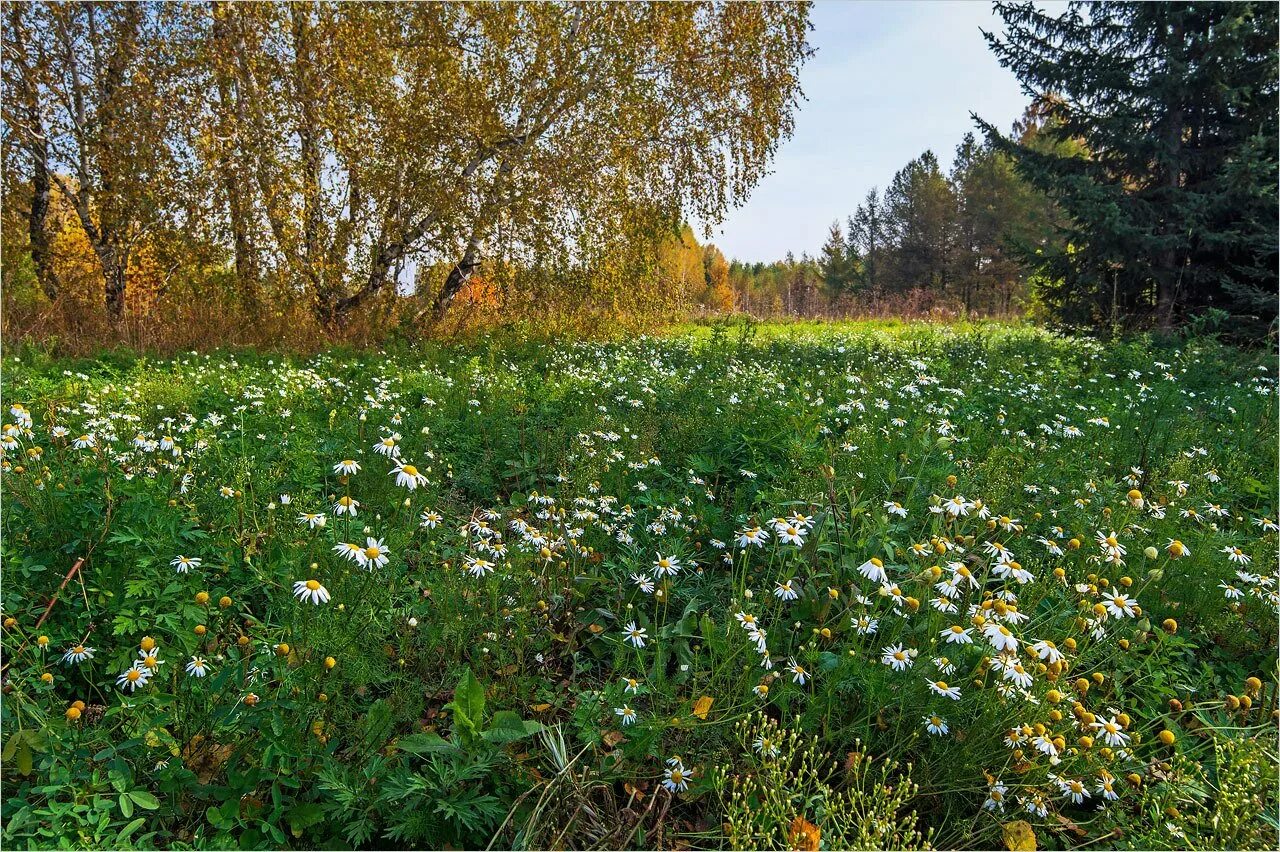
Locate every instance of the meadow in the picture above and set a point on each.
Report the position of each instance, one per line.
(736, 586)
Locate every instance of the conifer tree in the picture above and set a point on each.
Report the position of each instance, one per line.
(1170, 193)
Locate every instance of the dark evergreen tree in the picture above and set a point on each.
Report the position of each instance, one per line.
(1162, 129)
(836, 262)
(920, 218)
(867, 238)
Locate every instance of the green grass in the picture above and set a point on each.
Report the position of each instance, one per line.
(441, 701)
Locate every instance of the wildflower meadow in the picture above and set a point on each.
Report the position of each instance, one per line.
(734, 586)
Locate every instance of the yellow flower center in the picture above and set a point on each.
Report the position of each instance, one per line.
(372, 552)
(410, 470)
(313, 585)
(134, 674)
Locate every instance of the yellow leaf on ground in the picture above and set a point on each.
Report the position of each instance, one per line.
(1019, 836)
(702, 706)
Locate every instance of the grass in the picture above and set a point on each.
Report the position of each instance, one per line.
(476, 689)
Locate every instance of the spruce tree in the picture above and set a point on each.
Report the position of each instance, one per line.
(1162, 129)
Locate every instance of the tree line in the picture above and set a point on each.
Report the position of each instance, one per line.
(1139, 189)
(332, 156)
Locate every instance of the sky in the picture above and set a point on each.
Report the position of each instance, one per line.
(890, 79)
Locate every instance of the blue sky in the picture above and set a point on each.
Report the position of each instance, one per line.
(889, 80)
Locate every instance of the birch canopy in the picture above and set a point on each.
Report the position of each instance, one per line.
(333, 146)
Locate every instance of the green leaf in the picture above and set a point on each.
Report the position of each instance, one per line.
(128, 830)
(302, 817)
(144, 800)
(126, 806)
(425, 743)
(468, 703)
(24, 757)
(508, 727)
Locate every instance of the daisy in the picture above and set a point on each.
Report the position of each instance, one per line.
(957, 635)
(183, 564)
(1110, 546)
(626, 714)
(312, 520)
(347, 467)
(1267, 525)
(1112, 732)
(666, 566)
(388, 446)
(999, 636)
(635, 635)
(752, 536)
(430, 519)
(865, 625)
(134, 677)
(873, 570)
(1045, 744)
(676, 778)
(77, 654)
(85, 442)
(375, 553)
(1120, 606)
(1047, 651)
(1177, 549)
(897, 658)
(197, 667)
(785, 591)
(346, 506)
(766, 746)
(350, 551)
(895, 508)
(936, 725)
(1237, 555)
(149, 660)
(798, 673)
(940, 687)
(957, 506)
(631, 685)
(1073, 790)
(995, 796)
(310, 591)
(479, 568)
(791, 535)
(407, 476)
(644, 582)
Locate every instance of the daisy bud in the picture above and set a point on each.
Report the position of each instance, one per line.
(1170, 625)
(73, 713)
(47, 677)
(202, 598)
(1252, 685)
(1166, 736)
